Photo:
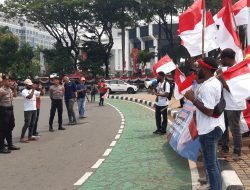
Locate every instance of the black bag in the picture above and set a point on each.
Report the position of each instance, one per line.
(220, 107)
(171, 89)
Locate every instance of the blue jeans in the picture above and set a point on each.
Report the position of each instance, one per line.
(81, 106)
(209, 150)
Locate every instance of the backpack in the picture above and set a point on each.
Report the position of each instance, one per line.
(220, 107)
(171, 89)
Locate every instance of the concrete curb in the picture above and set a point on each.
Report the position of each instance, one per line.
(171, 111)
(230, 179)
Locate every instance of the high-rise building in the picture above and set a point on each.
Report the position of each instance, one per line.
(28, 33)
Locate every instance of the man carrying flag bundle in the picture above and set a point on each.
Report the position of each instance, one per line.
(210, 129)
(233, 110)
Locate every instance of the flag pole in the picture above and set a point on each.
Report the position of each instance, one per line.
(203, 27)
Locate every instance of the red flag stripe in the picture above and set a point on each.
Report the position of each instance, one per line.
(237, 70)
(228, 22)
(191, 17)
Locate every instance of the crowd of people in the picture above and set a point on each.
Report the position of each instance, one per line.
(217, 111)
(61, 90)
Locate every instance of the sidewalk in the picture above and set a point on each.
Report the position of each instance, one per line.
(242, 167)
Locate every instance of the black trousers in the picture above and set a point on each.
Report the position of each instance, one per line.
(56, 105)
(101, 99)
(161, 118)
(37, 118)
(7, 124)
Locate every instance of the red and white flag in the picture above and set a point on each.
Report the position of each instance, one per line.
(238, 79)
(240, 10)
(245, 119)
(165, 64)
(227, 37)
(182, 83)
(190, 30)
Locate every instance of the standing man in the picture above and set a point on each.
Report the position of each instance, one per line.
(7, 120)
(161, 113)
(70, 95)
(210, 128)
(29, 101)
(103, 89)
(56, 92)
(93, 92)
(38, 105)
(233, 111)
(81, 94)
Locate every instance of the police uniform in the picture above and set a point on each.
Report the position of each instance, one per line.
(7, 120)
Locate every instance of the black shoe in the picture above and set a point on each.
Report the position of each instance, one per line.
(51, 130)
(61, 128)
(13, 147)
(4, 151)
(162, 132)
(35, 134)
(157, 132)
(73, 123)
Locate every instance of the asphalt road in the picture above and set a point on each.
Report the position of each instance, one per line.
(58, 159)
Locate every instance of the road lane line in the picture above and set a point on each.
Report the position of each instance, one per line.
(113, 143)
(83, 178)
(98, 163)
(117, 137)
(120, 131)
(107, 152)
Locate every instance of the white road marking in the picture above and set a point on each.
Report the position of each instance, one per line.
(122, 122)
(120, 131)
(194, 175)
(122, 127)
(117, 137)
(98, 163)
(107, 152)
(113, 143)
(83, 178)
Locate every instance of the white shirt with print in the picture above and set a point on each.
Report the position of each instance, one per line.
(162, 101)
(29, 104)
(209, 93)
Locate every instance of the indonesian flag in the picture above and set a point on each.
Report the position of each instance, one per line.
(190, 30)
(240, 11)
(106, 95)
(165, 64)
(182, 84)
(227, 37)
(238, 79)
(245, 119)
(247, 52)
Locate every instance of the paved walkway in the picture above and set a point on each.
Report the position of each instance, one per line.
(140, 160)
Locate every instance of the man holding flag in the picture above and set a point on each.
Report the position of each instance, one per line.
(233, 110)
(161, 103)
(210, 129)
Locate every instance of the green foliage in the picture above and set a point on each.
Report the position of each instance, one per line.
(25, 65)
(59, 60)
(8, 49)
(144, 57)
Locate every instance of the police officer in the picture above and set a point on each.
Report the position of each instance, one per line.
(7, 120)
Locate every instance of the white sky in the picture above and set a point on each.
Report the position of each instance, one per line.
(1, 1)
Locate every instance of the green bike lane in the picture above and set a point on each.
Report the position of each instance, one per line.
(140, 159)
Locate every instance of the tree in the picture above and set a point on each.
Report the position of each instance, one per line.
(25, 64)
(61, 18)
(8, 49)
(144, 57)
(58, 61)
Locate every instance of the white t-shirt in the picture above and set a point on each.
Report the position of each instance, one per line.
(29, 104)
(210, 94)
(232, 103)
(162, 101)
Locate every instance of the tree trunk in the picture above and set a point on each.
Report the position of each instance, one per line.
(123, 50)
(106, 62)
(159, 39)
